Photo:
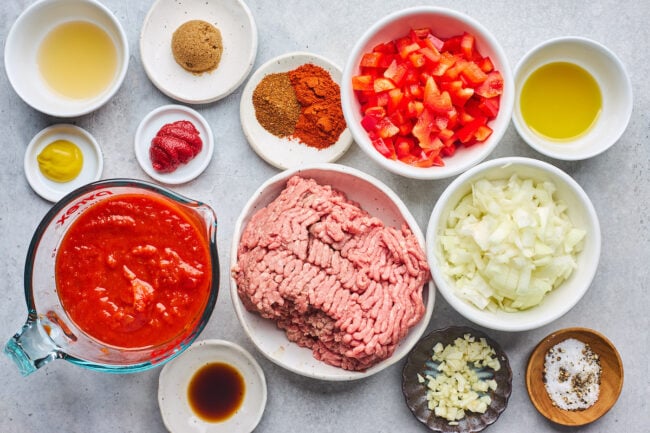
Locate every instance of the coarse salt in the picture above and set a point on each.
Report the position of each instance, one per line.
(572, 375)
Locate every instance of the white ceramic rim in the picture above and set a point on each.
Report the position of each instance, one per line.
(415, 333)
(208, 98)
(285, 153)
(54, 191)
(505, 111)
(186, 172)
(564, 150)
(484, 317)
(214, 345)
(93, 103)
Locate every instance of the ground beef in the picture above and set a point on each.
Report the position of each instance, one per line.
(334, 278)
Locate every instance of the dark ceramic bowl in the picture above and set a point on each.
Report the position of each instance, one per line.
(415, 393)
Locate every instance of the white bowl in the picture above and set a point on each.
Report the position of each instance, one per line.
(91, 170)
(239, 36)
(25, 37)
(372, 196)
(286, 153)
(444, 23)
(175, 378)
(613, 80)
(149, 127)
(581, 213)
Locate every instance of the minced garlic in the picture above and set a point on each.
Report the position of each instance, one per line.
(459, 383)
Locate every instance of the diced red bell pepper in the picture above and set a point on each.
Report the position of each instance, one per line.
(438, 102)
(385, 147)
(422, 97)
(473, 74)
(452, 44)
(468, 131)
(467, 46)
(385, 128)
(371, 60)
(431, 54)
(432, 41)
(362, 82)
(492, 86)
(482, 133)
(490, 106)
(396, 72)
(382, 85)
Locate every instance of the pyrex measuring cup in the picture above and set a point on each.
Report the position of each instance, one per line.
(49, 333)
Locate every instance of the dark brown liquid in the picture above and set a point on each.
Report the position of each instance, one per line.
(216, 391)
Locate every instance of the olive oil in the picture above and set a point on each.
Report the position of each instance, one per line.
(78, 60)
(560, 101)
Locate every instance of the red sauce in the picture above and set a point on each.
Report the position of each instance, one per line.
(134, 271)
(216, 391)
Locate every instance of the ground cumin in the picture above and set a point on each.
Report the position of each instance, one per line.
(304, 103)
(276, 106)
(321, 121)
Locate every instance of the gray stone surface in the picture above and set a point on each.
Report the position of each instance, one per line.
(66, 398)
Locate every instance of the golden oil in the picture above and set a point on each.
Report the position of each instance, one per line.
(560, 101)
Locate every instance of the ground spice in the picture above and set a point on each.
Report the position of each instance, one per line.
(321, 121)
(276, 107)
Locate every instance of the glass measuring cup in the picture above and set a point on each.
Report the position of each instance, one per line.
(49, 333)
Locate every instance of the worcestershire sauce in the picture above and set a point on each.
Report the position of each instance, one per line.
(216, 391)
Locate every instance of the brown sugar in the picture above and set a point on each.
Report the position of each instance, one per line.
(197, 46)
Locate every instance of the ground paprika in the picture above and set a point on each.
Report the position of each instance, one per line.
(321, 120)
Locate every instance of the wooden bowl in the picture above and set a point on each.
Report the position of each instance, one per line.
(611, 378)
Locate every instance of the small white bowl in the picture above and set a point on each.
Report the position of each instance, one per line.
(376, 199)
(93, 160)
(149, 127)
(579, 210)
(239, 36)
(286, 153)
(615, 86)
(444, 23)
(175, 378)
(21, 54)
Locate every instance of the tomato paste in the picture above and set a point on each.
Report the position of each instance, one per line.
(175, 144)
(134, 271)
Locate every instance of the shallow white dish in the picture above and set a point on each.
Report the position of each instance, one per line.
(149, 127)
(286, 153)
(376, 199)
(177, 374)
(580, 211)
(25, 37)
(239, 35)
(615, 86)
(93, 160)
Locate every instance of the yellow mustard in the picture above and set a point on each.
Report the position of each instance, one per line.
(60, 161)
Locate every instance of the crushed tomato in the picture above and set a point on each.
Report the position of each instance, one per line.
(422, 97)
(134, 271)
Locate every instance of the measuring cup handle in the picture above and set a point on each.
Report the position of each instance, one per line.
(31, 348)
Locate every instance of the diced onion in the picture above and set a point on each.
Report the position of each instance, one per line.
(508, 243)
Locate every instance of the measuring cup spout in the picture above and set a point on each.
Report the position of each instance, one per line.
(31, 347)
